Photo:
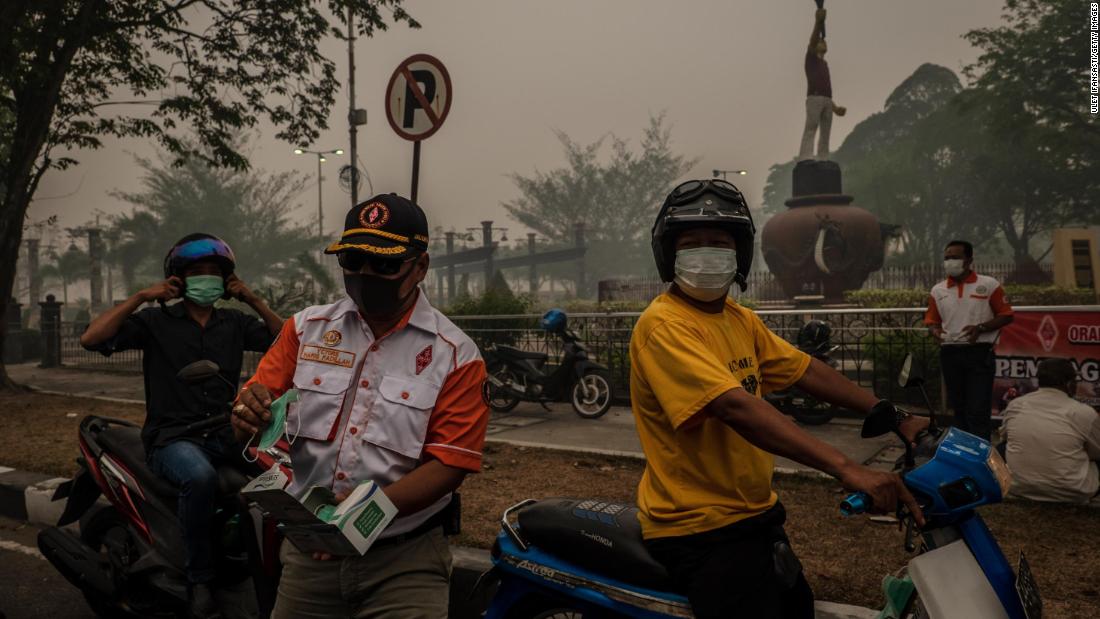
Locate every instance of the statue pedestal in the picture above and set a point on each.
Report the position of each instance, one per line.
(821, 246)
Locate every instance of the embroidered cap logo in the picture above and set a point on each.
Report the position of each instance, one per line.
(374, 215)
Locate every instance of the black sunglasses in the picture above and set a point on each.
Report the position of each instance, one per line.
(355, 260)
(686, 192)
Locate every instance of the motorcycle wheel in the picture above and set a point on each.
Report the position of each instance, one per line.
(598, 383)
(500, 400)
(812, 412)
(106, 532)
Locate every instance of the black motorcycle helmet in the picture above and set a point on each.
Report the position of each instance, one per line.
(814, 337)
(703, 203)
(195, 247)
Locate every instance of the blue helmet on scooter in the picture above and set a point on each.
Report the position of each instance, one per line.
(554, 321)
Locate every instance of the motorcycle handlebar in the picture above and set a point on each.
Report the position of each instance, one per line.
(856, 503)
(209, 423)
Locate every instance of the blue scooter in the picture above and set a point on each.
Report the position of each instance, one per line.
(568, 558)
(960, 571)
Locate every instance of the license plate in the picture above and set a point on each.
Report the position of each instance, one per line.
(1028, 590)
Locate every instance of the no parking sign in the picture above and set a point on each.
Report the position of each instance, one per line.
(418, 99)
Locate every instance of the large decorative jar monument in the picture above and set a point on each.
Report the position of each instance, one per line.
(822, 245)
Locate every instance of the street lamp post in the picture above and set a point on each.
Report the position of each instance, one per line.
(320, 159)
(725, 172)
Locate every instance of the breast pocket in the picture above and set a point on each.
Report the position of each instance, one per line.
(321, 395)
(399, 418)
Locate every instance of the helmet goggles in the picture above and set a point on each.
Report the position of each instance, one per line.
(184, 254)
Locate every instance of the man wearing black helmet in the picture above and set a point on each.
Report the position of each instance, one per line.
(699, 364)
(200, 270)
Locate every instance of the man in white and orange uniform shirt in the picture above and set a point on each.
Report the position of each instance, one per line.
(391, 392)
(965, 314)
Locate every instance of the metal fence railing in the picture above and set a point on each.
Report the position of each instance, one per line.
(73, 355)
(763, 285)
(871, 344)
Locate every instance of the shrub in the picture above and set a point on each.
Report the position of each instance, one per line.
(497, 300)
(1018, 294)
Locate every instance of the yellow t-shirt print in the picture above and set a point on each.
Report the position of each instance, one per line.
(700, 474)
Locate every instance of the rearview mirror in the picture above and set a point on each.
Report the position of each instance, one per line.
(199, 371)
(910, 374)
(882, 420)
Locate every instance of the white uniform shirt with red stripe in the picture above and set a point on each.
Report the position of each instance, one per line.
(377, 409)
(955, 304)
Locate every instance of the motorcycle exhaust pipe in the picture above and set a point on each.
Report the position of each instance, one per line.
(509, 386)
(78, 563)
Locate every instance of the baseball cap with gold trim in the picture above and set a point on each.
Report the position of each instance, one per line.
(386, 225)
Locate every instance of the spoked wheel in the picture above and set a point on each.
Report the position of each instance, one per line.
(499, 399)
(106, 532)
(592, 394)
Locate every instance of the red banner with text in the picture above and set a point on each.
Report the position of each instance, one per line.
(1036, 335)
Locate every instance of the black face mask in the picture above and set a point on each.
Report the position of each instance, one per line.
(376, 296)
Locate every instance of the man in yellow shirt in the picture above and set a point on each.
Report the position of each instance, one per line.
(699, 364)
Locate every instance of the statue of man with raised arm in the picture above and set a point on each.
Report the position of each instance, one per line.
(819, 93)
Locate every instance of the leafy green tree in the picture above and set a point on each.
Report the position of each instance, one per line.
(615, 199)
(216, 65)
(249, 209)
(1028, 92)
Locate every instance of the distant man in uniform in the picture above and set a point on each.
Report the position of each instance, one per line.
(965, 313)
(819, 94)
(1053, 440)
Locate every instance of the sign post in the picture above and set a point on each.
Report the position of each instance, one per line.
(418, 99)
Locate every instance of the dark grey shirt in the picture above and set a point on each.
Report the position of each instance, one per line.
(169, 339)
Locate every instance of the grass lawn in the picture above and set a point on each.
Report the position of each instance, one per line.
(845, 558)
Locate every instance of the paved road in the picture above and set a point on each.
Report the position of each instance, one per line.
(30, 588)
(529, 424)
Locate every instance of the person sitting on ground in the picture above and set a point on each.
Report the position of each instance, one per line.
(1053, 440)
(199, 268)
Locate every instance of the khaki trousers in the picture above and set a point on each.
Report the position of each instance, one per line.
(819, 119)
(401, 580)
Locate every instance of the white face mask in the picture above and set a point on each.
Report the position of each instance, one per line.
(953, 267)
(705, 273)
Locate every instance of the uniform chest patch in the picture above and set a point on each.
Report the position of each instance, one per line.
(328, 356)
(423, 359)
(332, 338)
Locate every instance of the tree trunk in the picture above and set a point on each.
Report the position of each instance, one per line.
(36, 100)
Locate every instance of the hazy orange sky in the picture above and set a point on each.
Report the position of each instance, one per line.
(728, 75)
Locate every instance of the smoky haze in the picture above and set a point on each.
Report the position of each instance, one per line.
(728, 75)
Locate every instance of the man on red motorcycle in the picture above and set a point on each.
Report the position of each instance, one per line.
(390, 391)
(200, 270)
(699, 364)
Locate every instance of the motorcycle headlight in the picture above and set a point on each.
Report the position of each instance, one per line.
(1000, 471)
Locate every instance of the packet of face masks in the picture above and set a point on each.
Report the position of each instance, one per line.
(318, 523)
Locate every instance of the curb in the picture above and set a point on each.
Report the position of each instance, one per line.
(27, 497)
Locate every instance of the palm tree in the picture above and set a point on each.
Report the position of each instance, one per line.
(69, 268)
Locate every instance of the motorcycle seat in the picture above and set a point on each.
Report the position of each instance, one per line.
(516, 353)
(601, 536)
(124, 442)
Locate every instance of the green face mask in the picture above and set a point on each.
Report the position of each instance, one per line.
(204, 290)
(277, 427)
